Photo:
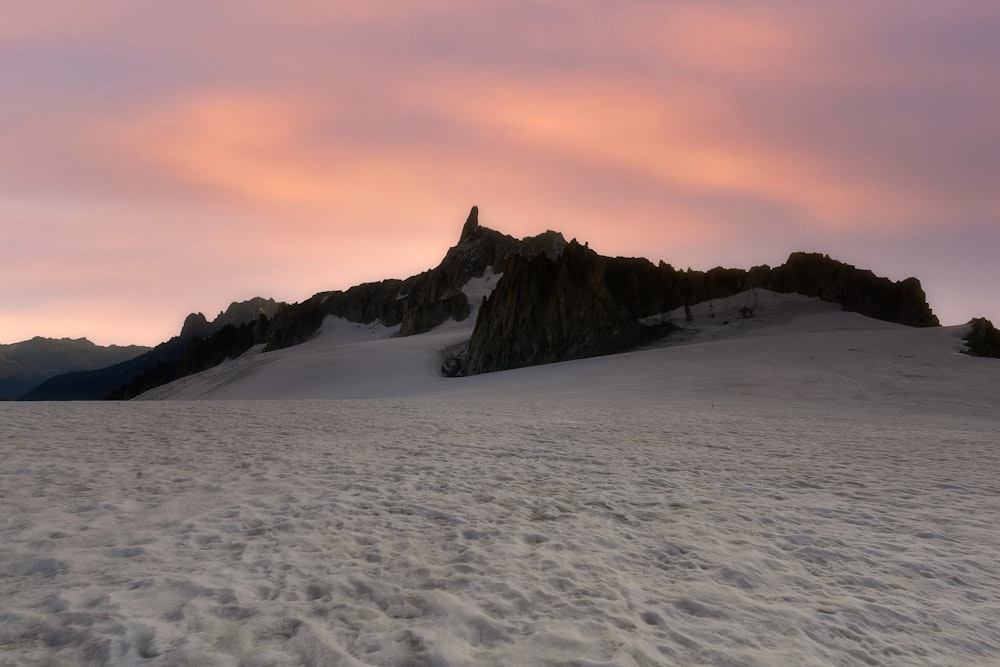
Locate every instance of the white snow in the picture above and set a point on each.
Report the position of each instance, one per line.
(810, 488)
(479, 288)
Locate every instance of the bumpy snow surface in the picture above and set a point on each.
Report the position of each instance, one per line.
(818, 490)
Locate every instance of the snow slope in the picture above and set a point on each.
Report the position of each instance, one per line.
(813, 488)
(795, 348)
(345, 360)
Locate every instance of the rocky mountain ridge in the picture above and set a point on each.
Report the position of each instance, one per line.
(415, 305)
(97, 382)
(582, 304)
(983, 339)
(554, 301)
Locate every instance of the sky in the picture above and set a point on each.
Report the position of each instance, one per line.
(162, 158)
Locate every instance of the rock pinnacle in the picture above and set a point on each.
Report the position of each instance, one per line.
(471, 224)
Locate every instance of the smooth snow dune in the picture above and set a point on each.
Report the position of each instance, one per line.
(527, 530)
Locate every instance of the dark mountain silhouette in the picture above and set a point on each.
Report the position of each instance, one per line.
(25, 364)
(554, 301)
(581, 304)
(416, 304)
(98, 383)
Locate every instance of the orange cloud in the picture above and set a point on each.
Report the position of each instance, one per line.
(688, 139)
(247, 145)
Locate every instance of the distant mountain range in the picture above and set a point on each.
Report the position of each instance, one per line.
(98, 380)
(548, 300)
(25, 364)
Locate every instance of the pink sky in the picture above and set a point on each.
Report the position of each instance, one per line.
(164, 158)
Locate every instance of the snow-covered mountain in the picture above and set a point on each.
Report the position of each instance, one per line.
(549, 301)
(793, 346)
(497, 303)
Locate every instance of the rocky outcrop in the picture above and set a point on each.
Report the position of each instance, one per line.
(418, 303)
(200, 353)
(242, 312)
(577, 305)
(366, 303)
(857, 290)
(581, 304)
(196, 326)
(425, 316)
(983, 339)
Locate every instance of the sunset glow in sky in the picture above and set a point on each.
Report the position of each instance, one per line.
(162, 158)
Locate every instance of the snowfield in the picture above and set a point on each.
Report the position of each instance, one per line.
(807, 488)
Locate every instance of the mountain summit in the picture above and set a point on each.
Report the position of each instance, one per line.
(471, 225)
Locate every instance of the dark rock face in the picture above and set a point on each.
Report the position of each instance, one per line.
(241, 312)
(196, 326)
(578, 305)
(367, 303)
(198, 354)
(581, 304)
(857, 290)
(418, 303)
(424, 317)
(983, 339)
(471, 225)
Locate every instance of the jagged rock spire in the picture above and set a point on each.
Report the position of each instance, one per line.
(471, 224)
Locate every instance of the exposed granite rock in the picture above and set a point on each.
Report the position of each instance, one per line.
(366, 303)
(857, 290)
(418, 303)
(471, 225)
(581, 304)
(196, 326)
(425, 316)
(578, 305)
(548, 243)
(983, 339)
(242, 312)
(199, 354)
(432, 297)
